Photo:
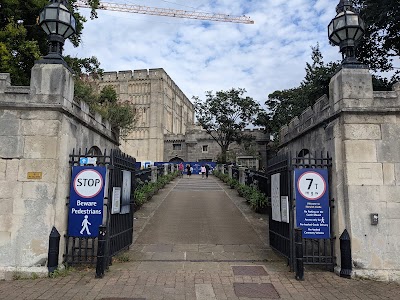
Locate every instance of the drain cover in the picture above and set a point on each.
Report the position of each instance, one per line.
(255, 290)
(249, 271)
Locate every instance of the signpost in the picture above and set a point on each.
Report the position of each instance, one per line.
(86, 201)
(312, 202)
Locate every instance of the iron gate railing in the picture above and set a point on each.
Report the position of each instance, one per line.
(318, 251)
(281, 234)
(83, 250)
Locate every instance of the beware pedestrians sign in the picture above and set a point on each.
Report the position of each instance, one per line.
(86, 201)
(312, 203)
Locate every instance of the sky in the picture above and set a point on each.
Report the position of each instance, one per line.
(201, 56)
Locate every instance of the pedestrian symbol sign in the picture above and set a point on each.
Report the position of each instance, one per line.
(85, 226)
(86, 201)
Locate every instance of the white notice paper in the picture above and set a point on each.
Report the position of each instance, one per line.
(285, 208)
(276, 197)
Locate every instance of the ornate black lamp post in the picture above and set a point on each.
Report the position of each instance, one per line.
(59, 23)
(345, 30)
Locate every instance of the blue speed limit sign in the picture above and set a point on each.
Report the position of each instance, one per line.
(312, 202)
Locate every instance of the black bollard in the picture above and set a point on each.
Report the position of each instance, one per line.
(54, 249)
(101, 249)
(345, 255)
(298, 242)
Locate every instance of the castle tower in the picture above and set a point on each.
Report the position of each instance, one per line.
(161, 108)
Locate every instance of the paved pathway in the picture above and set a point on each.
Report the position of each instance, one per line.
(197, 240)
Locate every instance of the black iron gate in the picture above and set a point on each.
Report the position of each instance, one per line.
(281, 234)
(119, 227)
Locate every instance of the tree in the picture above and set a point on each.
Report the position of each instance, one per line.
(22, 41)
(121, 115)
(225, 115)
(282, 106)
(381, 42)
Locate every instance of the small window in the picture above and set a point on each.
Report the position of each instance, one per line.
(205, 148)
(177, 147)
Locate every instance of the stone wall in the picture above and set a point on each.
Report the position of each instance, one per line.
(360, 129)
(161, 106)
(39, 127)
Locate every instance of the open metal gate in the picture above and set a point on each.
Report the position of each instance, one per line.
(315, 251)
(119, 227)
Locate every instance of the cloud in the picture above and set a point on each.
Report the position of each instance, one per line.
(201, 56)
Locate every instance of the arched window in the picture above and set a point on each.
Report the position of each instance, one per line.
(304, 158)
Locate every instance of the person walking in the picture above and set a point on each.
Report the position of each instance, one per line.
(180, 168)
(188, 170)
(207, 170)
(203, 171)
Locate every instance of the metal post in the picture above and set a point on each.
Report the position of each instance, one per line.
(54, 249)
(345, 255)
(101, 251)
(299, 254)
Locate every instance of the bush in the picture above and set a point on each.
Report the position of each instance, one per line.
(145, 190)
(233, 183)
(257, 200)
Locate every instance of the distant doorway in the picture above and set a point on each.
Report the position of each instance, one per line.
(176, 160)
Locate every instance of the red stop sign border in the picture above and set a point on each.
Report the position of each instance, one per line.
(91, 196)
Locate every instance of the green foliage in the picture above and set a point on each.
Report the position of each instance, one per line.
(225, 115)
(122, 257)
(121, 115)
(381, 42)
(17, 52)
(232, 182)
(282, 106)
(61, 272)
(83, 66)
(145, 190)
(22, 41)
(257, 200)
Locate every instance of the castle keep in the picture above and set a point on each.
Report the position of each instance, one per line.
(162, 108)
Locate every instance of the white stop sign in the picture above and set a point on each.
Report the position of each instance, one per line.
(88, 183)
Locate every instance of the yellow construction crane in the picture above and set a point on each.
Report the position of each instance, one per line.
(167, 12)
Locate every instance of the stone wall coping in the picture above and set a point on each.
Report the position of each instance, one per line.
(322, 112)
(17, 97)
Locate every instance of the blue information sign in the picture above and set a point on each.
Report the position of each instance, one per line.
(312, 202)
(86, 201)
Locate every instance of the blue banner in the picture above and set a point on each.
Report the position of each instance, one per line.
(195, 164)
(312, 202)
(86, 201)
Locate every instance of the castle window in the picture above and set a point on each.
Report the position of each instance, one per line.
(205, 148)
(177, 147)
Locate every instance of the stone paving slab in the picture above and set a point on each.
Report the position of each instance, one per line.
(182, 279)
(177, 280)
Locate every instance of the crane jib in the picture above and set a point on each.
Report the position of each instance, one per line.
(168, 12)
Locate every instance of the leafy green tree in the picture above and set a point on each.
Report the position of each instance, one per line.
(225, 115)
(282, 106)
(121, 115)
(381, 42)
(22, 41)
